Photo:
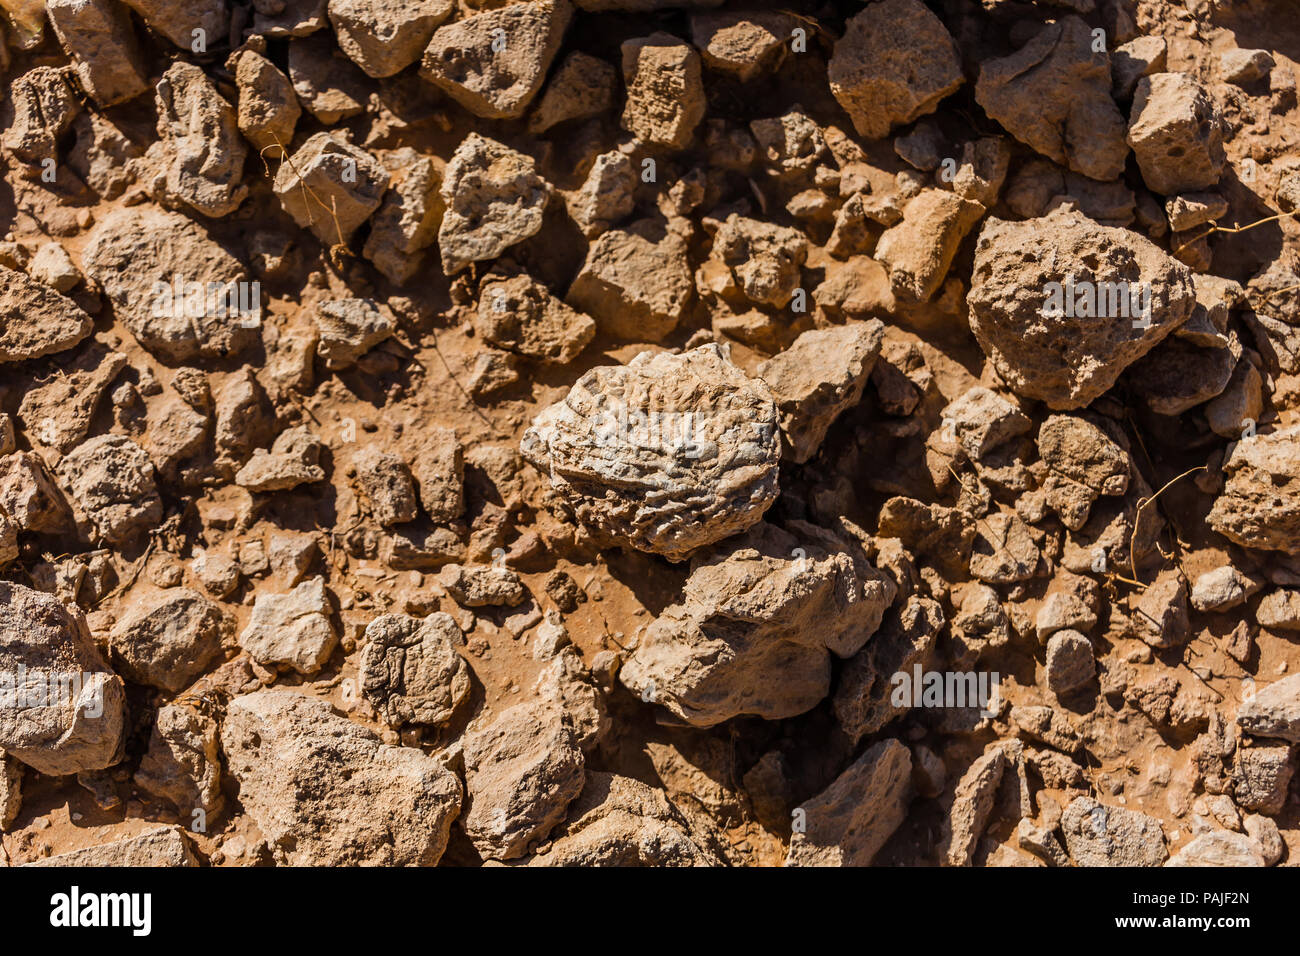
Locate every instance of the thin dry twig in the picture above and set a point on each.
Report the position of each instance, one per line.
(1137, 518)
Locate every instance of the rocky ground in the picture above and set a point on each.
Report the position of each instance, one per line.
(665, 432)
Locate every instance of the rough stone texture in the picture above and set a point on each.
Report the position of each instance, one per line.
(156, 847)
(178, 19)
(818, 377)
(1176, 134)
(636, 283)
(330, 187)
(983, 420)
(268, 108)
(1100, 835)
(169, 638)
(110, 482)
(137, 254)
(44, 106)
(494, 62)
(618, 821)
(1259, 506)
(774, 602)
(1053, 95)
(742, 44)
(294, 459)
(494, 198)
(1261, 776)
(665, 91)
(893, 65)
(439, 470)
(763, 259)
(97, 35)
(1219, 848)
(77, 725)
(849, 821)
(408, 219)
(183, 762)
(972, 802)
(665, 454)
(520, 315)
(293, 630)
(1274, 711)
(28, 494)
(606, 195)
(200, 147)
(387, 484)
(581, 88)
(384, 37)
(35, 320)
(862, 701)
(917, 251)
(410, 671)
(521, 773)
(1160, 614)
(1062, 360)
(1279, 611)
(11, 790)
(327, 792)
(1222, 589)
(482, 586)
(1070, 663)
(327, 83)
(1086, 463)
(349, 328)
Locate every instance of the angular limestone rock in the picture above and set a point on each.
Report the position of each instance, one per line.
(521, 773)
(494, 62)
(168, 639)
(170, 284)
(818, 377)
(35, 320)
(849, 821)
(410, 671)
(1062, 305)
(1054, 96)
(330, 187)
(328, 792)
(1259, 506)
(520, 315)
(62, 709)
(665, 92)
(384, 37)
(893, 65)
(775, 601)
(636, 283)
(494, 198)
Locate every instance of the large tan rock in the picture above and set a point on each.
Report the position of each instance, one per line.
(1053, 95)
(618, 821)
(917, 251)
(331, 187)
(1176, 133)
(494, 62)
(636, 283)
(666, 454)
(139, 254)
(1062, 306)
(62, 709)
(894, 64)
(769, 602)
(821, 375)
(167, 639)
(848, 822)
(410, 669)
(327, 792)
(384, 37)
(665, 91)
(97, 35)
(155, 847)
(521, 773)
(1259, 506)
(201, 150)
(35, 320)
(494, 198)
